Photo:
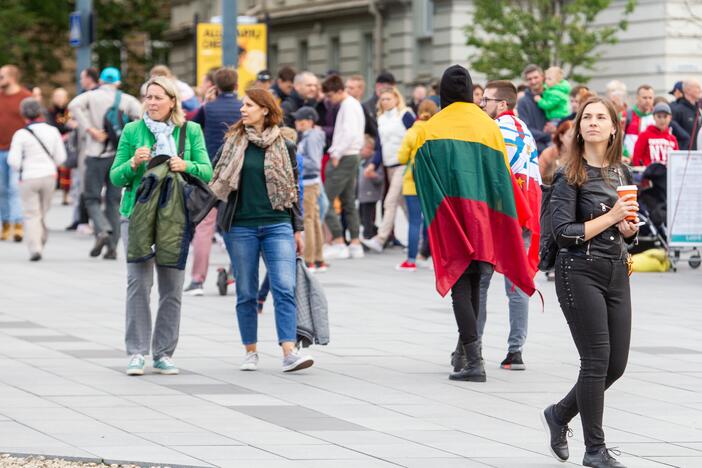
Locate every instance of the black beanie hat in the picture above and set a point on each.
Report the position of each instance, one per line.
(456, 86)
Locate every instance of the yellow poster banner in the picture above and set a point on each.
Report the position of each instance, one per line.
(252, 40)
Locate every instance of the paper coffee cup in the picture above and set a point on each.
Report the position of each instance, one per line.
(624, 190)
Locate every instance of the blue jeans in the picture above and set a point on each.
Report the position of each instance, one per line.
(518, 307)
(10, 203)
(277, 245)
(415, 226)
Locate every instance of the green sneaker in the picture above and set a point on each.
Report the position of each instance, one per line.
(165, 366)
(136, 365)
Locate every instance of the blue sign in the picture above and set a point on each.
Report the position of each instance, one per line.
(75, 37)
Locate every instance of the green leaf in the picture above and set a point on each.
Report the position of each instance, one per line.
(510, 34)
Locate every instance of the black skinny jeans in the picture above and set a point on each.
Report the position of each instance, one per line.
(596, 301)
(465, 295)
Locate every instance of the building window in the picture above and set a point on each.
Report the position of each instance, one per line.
(303, 55)
(273, 60)
(367, 64)
(335, 54)
(423, 11)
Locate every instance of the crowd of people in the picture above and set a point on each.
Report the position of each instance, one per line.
(303, 166)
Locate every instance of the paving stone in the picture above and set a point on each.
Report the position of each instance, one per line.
(378, 395)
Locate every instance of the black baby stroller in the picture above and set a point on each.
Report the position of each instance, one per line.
(652, 209)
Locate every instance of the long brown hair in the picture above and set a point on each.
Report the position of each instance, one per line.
(575, 171)
(426, 110)
(264, 98)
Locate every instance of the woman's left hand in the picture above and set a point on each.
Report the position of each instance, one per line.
(628, 228)
(299, 244)
(176, 164)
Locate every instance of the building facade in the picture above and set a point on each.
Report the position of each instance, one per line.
(417, 39)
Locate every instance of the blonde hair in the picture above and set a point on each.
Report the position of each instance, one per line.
(401, 105)
(616, 88)
(161, 70)
(558, 71)
(177, 115)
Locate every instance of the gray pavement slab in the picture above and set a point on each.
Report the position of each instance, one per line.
(378, 395)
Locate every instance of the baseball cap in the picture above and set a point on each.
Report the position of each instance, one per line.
(676, 87)
(306, 113)
(264, 75)
(110, 75)
(662, 107)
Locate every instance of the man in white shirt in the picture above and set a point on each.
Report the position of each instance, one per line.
(342, 169)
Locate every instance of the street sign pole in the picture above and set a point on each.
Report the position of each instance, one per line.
(230, 48)
(84, 46)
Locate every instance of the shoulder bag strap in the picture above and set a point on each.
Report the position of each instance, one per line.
(181, 140)
(48, 153)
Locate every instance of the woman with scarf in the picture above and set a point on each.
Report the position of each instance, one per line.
(155, 135)
(256, 174)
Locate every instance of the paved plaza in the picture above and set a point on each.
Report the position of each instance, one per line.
(378, 395)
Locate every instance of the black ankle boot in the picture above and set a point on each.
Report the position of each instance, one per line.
(602, 459)
(473, 371)
(458, 357)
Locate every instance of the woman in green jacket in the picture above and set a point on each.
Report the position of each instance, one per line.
(156, 134)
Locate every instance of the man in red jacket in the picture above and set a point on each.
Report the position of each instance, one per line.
(654, 144)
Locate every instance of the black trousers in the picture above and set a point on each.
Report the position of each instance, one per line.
(465, 295)
(367, 212)
(596, 301)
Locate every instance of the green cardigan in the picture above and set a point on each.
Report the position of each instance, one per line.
(137, 134)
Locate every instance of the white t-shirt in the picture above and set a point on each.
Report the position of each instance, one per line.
(27, 153)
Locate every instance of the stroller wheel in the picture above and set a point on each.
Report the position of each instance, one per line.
(695, 261)
(222, 281)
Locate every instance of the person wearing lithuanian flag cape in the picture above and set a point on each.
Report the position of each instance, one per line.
(473, 207)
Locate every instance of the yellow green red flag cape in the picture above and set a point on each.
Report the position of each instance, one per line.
(469, 197)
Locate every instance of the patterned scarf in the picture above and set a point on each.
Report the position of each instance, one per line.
(280, 181)
(163, 131)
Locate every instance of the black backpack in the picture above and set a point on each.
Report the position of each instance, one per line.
(114, 121)
(548, 248)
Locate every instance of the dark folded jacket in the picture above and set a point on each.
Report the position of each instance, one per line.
(168, 207)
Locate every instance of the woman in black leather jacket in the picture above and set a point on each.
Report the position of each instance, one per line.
(592, 281)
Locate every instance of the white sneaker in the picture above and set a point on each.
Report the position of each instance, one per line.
(295, 362)
(426, 263)
(373, 244)
(250, 361)
(356, 251)
(136, 365)
(336, 252)
(165, 366)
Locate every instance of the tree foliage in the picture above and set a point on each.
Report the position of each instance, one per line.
(121, 30)
(29, 37)
(34, 36)
(510, 34)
